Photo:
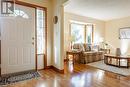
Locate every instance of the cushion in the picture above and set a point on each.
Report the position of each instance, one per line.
(87, 47)
(95, 47)
(79, 47)
(82, 48)
(76, 46)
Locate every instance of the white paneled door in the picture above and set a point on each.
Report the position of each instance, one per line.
(18, 40)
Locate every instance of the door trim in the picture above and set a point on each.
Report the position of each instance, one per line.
(45, 9)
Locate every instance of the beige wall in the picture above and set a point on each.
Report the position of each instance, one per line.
(48, 5)
(99, 27)
(58, 35)
(112, 35)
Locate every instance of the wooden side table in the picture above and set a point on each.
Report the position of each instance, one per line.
(74, 54)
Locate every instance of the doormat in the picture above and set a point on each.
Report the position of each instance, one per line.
(13, 78)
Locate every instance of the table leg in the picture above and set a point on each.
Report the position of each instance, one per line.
(119, 63)
(73, 59)
(127, 63)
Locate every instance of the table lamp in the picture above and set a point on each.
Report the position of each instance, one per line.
(71, 39)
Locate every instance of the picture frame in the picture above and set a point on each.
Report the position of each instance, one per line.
(124, 33)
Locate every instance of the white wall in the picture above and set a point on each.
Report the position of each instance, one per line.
(58, 35)
(112, 35)
(99, 27)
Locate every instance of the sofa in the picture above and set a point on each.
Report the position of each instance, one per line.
(89, 53)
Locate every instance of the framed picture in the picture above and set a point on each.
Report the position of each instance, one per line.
(124, 33)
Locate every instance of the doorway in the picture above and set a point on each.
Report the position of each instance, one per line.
(19, 40)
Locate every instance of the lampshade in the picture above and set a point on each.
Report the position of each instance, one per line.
(101, 39)
(72, 38)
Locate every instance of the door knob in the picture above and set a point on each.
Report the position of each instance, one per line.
(32, 43)
(33, 38)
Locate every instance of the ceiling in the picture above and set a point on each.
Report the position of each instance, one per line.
(100, 9)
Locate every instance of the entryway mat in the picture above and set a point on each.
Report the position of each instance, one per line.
(13, 78)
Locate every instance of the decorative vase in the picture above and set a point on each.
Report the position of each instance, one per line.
(118, 52)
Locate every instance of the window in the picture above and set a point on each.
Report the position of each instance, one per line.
(89, 34)
(77, 31)
(40, 31)
(82, 33)
(20, 13)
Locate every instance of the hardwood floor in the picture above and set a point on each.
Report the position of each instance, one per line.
(78, 75)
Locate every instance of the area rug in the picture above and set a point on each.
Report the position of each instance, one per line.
(13, 78)
(101, 65)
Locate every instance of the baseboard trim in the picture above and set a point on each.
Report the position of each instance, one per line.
(66, 60)
(48, 67)
(55, 69)
(40, 69)
(58, 70)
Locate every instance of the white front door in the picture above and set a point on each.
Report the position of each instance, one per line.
(17, 41)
